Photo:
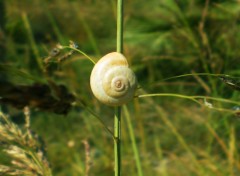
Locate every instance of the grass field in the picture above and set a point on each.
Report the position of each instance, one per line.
(179, 132)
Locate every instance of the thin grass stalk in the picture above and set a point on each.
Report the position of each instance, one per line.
(81, 52)
(182, 141)
(133, 141)
(120, 26)
(88, 30)
(117, 141)
(55, 27)
(32, 40)
(117, 116)
(231, 152)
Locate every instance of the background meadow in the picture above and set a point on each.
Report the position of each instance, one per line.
(162, 39)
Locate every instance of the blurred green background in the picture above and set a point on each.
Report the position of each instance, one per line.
(175, 137)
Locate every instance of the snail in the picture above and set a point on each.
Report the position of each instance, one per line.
(112, 81)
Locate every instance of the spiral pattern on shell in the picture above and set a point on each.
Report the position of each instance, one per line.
(112, 81)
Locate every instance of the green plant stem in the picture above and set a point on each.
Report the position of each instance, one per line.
(101, 121)
(120, 26)
(117, 141)
(198, 100)
(133, 141)
(94, 114)
(81, 52)
(195, 74)
(117, 116)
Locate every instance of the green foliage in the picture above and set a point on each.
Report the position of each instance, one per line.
(174, 137)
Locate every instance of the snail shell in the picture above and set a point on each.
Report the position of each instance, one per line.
(112, 81)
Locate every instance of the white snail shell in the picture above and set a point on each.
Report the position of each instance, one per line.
(112, 81)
